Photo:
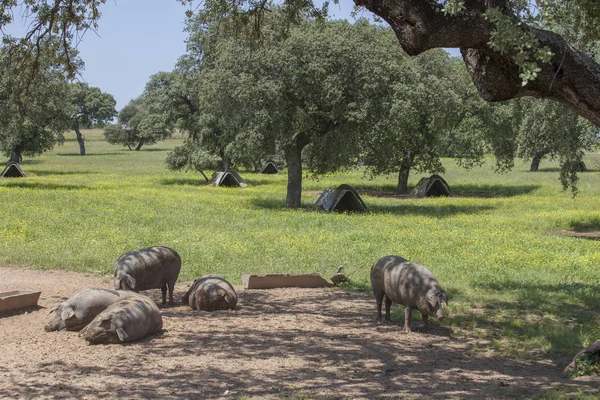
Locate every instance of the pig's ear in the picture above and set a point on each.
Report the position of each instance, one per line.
(432, 297)
(122, 334)
(130, 281)
(67, 313)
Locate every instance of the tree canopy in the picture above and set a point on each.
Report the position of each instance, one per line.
(91, 108)
(35, 113)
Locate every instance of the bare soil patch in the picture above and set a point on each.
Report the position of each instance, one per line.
(592, 234)
(310, 343)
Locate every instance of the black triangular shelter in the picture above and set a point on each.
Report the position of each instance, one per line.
(344, 198)
(13, 170)
(270, 168)
(434, 186)
(227, 178)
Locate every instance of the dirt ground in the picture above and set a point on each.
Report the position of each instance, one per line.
(298, 343)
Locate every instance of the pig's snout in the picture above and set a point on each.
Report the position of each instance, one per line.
(440, 314)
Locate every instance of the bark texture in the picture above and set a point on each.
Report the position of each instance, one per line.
(571, 78)
(80, 141)
(404, 172)
(15, 156)
(293, 158)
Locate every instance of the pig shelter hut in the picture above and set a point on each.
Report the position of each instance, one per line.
(13, 170)
(344, 198)
(270, 168)
(434, 186)
(227, 178)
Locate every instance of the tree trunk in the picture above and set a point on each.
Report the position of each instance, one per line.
(535, 163)
(571, 77)
(293, 158)
(139, 146)
(80, 141)
(403, 174)
(15, 156)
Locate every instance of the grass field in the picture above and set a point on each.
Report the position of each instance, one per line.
(512, 284)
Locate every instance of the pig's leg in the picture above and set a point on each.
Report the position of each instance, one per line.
(379, 299)
(171, 286)
(407, 313)
(164, 294)
(388, 306)
(425, 322)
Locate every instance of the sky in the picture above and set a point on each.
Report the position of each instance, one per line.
(138, 38)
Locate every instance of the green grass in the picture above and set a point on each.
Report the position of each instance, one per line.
(512, 285)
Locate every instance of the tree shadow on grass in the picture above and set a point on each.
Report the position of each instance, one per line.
(437, 211)
(200, 181)
(556, 170)
(465, 190)
(110, 153)
(42, 186)
(30, 162)
(48, 173)
(556, 313)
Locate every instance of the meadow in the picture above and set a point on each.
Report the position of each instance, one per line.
(514, 285)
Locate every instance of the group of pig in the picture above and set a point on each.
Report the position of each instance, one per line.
(124, 315)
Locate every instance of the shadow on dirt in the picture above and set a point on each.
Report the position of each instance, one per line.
(263, 349)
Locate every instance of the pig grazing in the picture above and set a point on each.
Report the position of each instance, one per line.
(78, 311)
(210, 293)
(149, 268)
(411, 285)
(126, 320)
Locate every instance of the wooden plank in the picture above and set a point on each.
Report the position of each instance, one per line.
(18, 299)
(271, 281)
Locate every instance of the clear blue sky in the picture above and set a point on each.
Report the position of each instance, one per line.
(138, 38)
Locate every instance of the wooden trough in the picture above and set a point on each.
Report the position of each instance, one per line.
(18, 299)
(271, 281)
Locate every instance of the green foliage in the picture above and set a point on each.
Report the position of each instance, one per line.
(34, 111)
(91, 107)
(586, 366)
(138, 126)
(548, 129)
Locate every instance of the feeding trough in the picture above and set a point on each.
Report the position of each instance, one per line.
(344, 198)
(227, 178)
(270, 168)
(271, 281)
(434, 186)
(13, 170)
(18, 299)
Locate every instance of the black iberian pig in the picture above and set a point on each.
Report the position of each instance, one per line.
(411, 285)
(148, 268)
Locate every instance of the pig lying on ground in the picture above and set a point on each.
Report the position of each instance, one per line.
(148, 268)
(126, 320)
(78, 311)
(210, 293)
(409, 284)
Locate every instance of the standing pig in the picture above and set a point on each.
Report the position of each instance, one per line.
(210, 293)
(148, 268)
(126, 320)
(409, 284)
(78, 311)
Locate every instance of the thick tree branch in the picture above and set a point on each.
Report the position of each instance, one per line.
(571, 78)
